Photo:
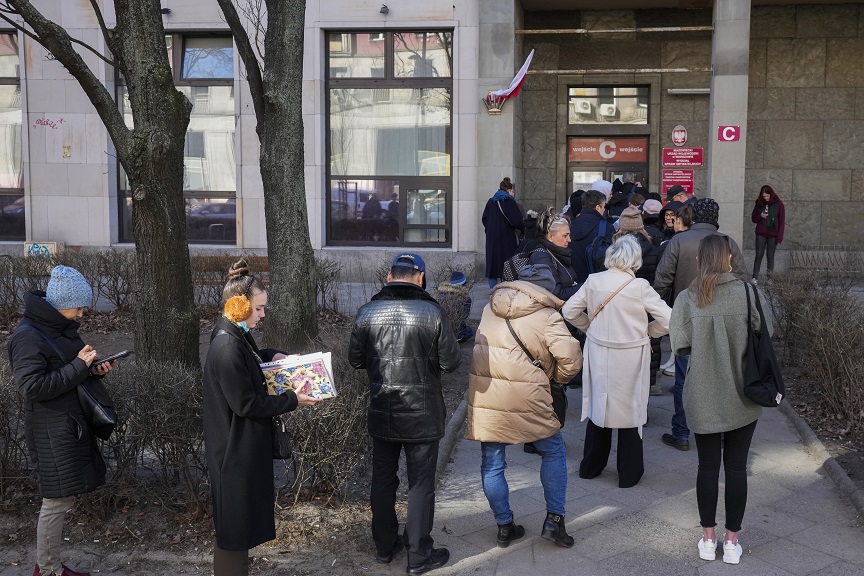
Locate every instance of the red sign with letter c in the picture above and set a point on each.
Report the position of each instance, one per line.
(728, 133)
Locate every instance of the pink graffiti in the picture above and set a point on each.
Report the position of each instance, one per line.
(48, 122)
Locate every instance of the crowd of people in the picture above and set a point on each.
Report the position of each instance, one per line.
(598, 286)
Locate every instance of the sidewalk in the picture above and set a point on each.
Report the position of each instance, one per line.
(796, 521)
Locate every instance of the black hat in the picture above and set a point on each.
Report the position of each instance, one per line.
(673, 206)
(706, 211)
(674, 191)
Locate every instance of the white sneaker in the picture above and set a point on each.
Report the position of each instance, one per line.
(732, 553)
(707, 549)
(669, 365)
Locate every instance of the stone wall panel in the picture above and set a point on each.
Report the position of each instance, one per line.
(844, 65)
(779, 180)
(803, 223)
(824, 103)
(791, 144)
(545, 54)
(677, 108)
(859, 103)
(770, 104)
(858, 185)
(843, 144)
(693, 54)
(796, 63)
(772, 22)
(600, 55)
(826, 185)
(758, 71)
(754, 157)
(539, 146)
(841, 223)
(539, 105)
(821, 22)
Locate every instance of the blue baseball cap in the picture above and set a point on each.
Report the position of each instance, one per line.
(409, 260)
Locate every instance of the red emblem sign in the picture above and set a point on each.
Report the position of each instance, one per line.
(683, 157)
(728, 133)
(679, 135)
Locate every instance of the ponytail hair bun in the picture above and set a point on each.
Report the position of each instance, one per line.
(506, 184)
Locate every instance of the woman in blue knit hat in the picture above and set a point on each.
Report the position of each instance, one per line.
(49, 361)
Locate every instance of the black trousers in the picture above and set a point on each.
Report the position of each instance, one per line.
(598, 444)
(230, 562)
(421, 460)
(735, 447)
(762, 243)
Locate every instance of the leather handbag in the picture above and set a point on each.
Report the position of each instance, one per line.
(96, 402)
(763, 382)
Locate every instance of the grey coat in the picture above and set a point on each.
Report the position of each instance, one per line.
(677, 267)
(715, 338)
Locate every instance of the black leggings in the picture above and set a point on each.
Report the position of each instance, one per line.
(735, 447)
(762, 243)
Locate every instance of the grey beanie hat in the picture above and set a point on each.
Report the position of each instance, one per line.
(539, 275)
(67, 288)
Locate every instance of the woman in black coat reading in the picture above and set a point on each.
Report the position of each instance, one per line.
(238, 425)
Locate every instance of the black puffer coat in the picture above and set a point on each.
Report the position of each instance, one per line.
(238, 438)
(63, 449)
(558, 259)
(403, 341)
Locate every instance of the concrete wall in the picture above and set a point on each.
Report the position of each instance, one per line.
(805, 105)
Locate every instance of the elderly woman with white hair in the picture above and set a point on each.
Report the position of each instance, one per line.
(612, 308)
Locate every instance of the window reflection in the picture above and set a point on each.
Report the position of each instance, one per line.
(10, 136)
(211, 220)
(355, 55)
(208, 58)
(209, 150)
(422, 54)
(395, 131)
(608, 105)
(11, 216)
(9, 62)
(365, 210)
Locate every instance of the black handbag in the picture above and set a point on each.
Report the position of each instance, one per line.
(282, 447)
(96, 402)
(559, 391)
(763, 382)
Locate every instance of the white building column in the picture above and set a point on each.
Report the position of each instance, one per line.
(727, 144)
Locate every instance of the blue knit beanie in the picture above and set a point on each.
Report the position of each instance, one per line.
(67, 288)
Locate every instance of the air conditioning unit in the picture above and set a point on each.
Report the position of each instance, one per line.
(581, 106)
(608, 110)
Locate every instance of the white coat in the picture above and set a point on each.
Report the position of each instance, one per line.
(617, 355)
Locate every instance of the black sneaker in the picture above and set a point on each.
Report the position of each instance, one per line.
(437, 558)
(397, 547)
(679, 443)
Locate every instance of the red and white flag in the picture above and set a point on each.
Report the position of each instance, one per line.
(516, 85)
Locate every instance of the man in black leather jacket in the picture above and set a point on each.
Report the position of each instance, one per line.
(402, 339)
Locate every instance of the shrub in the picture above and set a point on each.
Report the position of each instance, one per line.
(328, 287)
(119, 271)
(13, 450)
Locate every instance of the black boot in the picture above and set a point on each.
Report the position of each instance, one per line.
(554, 530)
(509, 532)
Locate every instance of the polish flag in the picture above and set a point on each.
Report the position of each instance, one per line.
(516, 85)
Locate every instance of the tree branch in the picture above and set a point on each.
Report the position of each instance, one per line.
(94, 51)
(247, 55)
(105, 32)
(18, 26)
(57, 41)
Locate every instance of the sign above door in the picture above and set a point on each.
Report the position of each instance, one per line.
(607, 149)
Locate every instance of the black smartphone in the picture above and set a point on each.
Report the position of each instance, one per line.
(111, 358)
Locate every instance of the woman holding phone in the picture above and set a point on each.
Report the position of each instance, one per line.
(49, 361)
(238, 425)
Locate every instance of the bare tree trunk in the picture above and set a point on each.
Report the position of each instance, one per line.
(152, 156)
(292, 323)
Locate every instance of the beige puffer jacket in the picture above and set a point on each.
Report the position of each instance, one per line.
(509, 399)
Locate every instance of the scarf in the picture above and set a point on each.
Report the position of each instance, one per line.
(562, 255)
(501, 195)
(771, 221)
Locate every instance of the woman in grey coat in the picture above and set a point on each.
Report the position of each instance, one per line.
(709, 323)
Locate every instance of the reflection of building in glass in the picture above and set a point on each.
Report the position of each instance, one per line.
(608, 105)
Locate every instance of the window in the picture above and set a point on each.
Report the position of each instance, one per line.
(209, 167)
(608, 105)
(389, 138)
(12, 209)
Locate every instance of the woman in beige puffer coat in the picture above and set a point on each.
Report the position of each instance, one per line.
(510, 402)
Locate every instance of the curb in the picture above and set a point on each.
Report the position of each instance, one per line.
(452, 434)
(818, 451)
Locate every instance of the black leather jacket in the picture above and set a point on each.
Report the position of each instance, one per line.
(403, 341)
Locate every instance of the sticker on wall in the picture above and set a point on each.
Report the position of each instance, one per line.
(679, 135)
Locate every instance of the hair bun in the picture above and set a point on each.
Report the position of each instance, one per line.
(238, 269)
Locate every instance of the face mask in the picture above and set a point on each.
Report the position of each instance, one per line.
(242, 324)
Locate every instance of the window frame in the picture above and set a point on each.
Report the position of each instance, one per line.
(176, 60)
(17, 192)
(405, 183)
(611, 128)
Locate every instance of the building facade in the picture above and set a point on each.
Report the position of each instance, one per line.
(401, 152)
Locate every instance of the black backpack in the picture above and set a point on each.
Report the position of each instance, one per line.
(515, 263)
(595, 253)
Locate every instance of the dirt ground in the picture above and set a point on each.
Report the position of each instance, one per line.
(147, 537)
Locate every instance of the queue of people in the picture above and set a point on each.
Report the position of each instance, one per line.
(682, 278)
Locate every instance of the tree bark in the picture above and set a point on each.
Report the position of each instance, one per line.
(152, 155)
(291, 323)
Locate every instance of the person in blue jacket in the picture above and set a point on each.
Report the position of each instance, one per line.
(585, 228)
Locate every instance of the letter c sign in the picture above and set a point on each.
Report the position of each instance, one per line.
(728, 133)
(607, 149)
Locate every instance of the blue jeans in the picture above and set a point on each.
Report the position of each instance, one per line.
(493, 282)
(553, 476)
(679, 420)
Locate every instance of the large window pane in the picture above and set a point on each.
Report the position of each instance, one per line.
(211, 220)
(208, 57)
(355, 55)
(608, 105)
(12, 216)
(209, 150)
(10, 136)
(422, 54)
(364, 210)
(406, 134)
(9, 62)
